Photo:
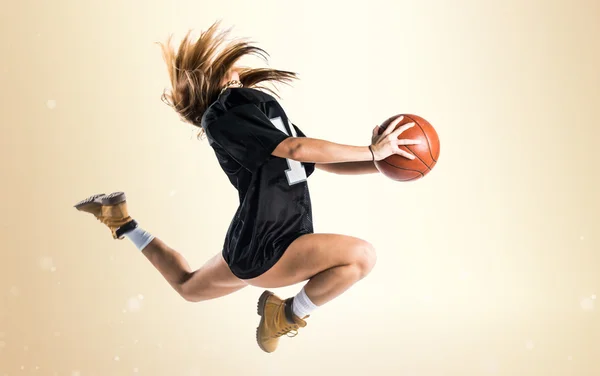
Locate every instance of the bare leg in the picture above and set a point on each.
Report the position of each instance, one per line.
(331, 263)
(212, 280)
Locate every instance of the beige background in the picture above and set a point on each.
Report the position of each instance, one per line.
(489, 266)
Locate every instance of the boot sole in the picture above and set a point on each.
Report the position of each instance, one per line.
(114, 198)
(88, 201)
(260, 309)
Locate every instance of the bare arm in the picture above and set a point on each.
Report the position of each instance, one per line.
(349, 168)
(312, 150)
(347, 159)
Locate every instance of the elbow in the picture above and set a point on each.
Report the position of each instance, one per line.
(292, 148)
(297, 151)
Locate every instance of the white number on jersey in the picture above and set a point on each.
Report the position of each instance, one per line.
(296, 172)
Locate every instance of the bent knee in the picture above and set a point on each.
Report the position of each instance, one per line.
(193, 294)
(192, 298)
(189, 296)
(364, 258)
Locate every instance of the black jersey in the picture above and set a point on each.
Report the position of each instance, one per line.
(243, 127)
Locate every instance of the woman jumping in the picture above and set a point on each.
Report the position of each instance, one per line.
(270, 242)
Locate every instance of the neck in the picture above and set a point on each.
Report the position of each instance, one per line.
(232, 83)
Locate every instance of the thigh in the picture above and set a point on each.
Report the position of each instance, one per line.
(212, 280)
(309, 255)
(216, 272)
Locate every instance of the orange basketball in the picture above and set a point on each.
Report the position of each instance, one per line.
(399, 168)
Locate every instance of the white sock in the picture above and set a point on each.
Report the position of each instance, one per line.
(301, 305)
(140, 238)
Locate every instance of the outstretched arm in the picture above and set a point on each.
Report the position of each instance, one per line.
(349, 168)
(347, 159)
(313, 150)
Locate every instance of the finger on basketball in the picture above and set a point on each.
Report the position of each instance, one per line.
(376, 130)
(405, 154)
(403, 128)
(390, 128)
(397, 120)
(405, 141)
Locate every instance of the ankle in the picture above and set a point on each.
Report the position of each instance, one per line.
(129, 226)
(301, 305)
(289, 311)
(139, 237)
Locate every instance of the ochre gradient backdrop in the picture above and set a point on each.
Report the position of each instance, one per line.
(488, 266)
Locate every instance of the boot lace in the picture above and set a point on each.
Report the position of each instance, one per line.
(290, 330)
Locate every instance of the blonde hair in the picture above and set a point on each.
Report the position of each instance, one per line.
(198, 67)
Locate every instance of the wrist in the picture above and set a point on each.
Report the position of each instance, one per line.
(376, 153)
(372, 153)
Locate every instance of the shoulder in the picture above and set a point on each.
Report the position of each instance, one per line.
(234, 100)
(238, 96)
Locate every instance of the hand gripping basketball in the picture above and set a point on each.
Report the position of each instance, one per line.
(406, 147)
(388, 143)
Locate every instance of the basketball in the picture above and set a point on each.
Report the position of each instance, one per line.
(399, 168)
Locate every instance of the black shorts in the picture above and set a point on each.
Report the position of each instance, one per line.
(250, 262)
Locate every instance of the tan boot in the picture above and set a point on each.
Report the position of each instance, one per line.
(276, 320)
(111, 210)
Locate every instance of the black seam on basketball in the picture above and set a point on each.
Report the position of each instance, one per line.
(426, 138)
(411, 179)
(416, 156)
(401, 168)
